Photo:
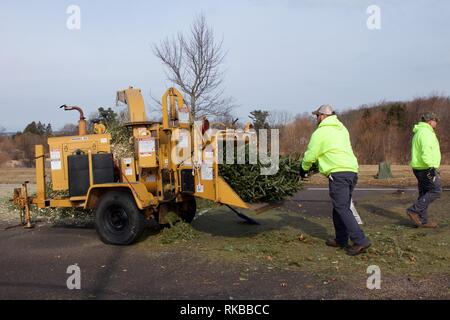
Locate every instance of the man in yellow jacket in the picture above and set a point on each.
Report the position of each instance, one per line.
(331, 149)
(425, 162)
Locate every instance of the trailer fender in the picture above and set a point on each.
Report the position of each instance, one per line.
(143, 198)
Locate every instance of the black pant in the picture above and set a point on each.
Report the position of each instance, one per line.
(429, 190)
(341, 186)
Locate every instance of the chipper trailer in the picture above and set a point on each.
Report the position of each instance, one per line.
(174, 163)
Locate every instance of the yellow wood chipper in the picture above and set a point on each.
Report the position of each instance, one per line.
(174, 162)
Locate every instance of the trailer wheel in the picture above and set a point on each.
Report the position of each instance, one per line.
(187, 209)
(118, 220)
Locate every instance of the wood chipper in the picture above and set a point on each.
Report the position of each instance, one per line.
(174, 162)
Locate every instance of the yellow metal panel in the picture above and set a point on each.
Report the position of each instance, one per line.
(150, 178)
(171, 93)
(226, 195)
(205, 178)
(205, 189)
(91, 173)
(75, 139)
(142, 197)
(209, 185)
(128, 169)
(136, 108)
(64, 203)
(62, 147)
(81, 198)
(40, 176)
(147, 152)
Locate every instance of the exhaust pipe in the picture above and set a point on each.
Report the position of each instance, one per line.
(82, 126)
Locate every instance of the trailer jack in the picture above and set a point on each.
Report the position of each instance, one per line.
(22, 201)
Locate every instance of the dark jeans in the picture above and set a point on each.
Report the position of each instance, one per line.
(341, 185)
(429, 190)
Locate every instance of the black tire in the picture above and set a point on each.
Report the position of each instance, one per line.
(118, 220)
(187, 209)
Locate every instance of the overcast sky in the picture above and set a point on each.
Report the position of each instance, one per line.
(282, 55)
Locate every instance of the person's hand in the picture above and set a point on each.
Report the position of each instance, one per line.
(314, 169)
(303, 173)
(432, 173)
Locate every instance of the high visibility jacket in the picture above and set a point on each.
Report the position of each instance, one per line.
(425, 151)
(330, 147)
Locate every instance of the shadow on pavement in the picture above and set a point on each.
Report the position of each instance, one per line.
(225, 223)
(387, 214)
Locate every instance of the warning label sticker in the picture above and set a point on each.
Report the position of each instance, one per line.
(56, 165)
(55, 154)
(147, 146)
(207, 172)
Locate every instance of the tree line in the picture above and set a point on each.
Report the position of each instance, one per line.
(19, 149)
(379, 132)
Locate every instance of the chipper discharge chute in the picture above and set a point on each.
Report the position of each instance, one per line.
(174, 162)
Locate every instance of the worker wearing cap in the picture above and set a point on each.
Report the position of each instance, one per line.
(425, 162)
(331, 149)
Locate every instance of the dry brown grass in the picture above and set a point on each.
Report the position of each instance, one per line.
(403, 177)
(17, 175)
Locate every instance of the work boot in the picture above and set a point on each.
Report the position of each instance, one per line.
(333, 243)
(429, 225)
(414, 217)
(357, 249)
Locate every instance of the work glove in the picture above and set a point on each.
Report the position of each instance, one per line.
(432, 173)
(303, 173)
(314, 169)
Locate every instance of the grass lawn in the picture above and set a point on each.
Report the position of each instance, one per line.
(291, 238)
(402, 177)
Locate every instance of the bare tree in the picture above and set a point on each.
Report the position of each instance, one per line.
(193, 63)
(295, 135)
(69, 129)
(279, 119)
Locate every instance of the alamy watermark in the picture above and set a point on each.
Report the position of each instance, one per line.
(74, 280)
(228, 147)
(374, 280)
(74, 19)
(374, 19)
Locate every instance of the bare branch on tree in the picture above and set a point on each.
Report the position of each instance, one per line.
(279, 119)
(193, 63)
